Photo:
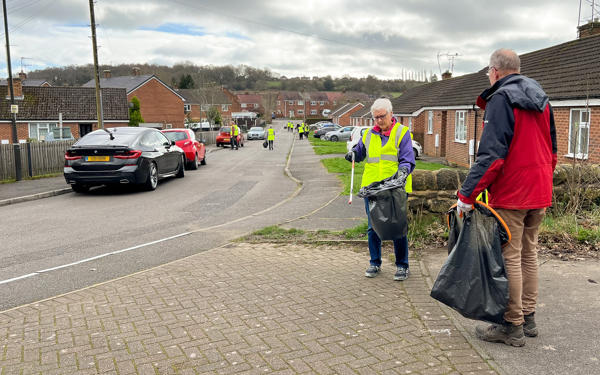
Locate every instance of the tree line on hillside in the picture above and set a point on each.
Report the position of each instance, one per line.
(240, 78)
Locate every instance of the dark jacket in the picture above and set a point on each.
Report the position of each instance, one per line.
(517, 153)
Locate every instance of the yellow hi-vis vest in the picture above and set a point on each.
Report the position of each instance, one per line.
(300, 129)
(382, 162)
(270, 135)
(235, 130)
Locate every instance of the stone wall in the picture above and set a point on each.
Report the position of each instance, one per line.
(435, 191)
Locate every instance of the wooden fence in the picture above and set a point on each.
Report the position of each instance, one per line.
(207, 137)
(37, 158)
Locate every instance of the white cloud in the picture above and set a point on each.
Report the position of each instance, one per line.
(305, 37)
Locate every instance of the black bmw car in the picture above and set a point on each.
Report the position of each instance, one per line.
(126, 155)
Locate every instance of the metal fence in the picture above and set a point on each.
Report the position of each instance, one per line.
(36, 158)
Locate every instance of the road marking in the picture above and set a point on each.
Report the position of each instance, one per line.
(94, 258)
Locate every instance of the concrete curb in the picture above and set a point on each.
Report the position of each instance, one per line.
(33, 197)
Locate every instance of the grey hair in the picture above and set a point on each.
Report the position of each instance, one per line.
(382, 103)
(505, 60)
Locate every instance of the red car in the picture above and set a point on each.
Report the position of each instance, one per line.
(195, 152)
(223, 137)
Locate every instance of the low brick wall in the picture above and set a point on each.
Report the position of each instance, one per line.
(435, 191)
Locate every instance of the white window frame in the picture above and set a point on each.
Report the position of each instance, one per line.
(313, 112)
(187, 108)
(255, 105)
(205, 107)
(430, 122)
(313, 102)
(460, 127)
(48, 126)
(321, 103)
(300, 102)
(243, 105)
(300, 111)
(582, 125)
(224, 107)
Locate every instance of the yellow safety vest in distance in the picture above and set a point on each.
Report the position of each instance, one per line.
(382, 162)
(300, 129)
(270, 135)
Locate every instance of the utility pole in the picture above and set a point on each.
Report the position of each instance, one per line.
(15, 138)
(96, 77)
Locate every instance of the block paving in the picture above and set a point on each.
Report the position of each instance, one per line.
(242, 309)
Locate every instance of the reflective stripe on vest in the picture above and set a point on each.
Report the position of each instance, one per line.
(382, 162)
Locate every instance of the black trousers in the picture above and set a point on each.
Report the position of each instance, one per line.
(233, 142)
(270, 145)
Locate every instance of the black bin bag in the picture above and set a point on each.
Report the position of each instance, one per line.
(387, 208)
(473, 279)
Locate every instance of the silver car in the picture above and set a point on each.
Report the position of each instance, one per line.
(256, 132)
(341, 134)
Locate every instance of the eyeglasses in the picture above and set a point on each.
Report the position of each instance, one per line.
(380, 117)
(490, 68)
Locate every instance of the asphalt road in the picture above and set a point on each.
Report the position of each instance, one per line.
(63, 243)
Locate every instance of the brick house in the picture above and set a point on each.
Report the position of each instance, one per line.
(341, 116)
(446, 121)
(362, 117)
(289, 104)
(199, 101)
(159, 103)
(39, 108)
(315, 103)
(251, 103)
(27, 81)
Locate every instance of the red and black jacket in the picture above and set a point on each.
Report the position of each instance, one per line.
(517, 153)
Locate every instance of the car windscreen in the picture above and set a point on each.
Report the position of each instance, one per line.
(225, 129)
(255, 129)
(175, 136)
(103, 139)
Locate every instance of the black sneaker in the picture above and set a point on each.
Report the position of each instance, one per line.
(372, 271)
(401, 274)
(529, 328)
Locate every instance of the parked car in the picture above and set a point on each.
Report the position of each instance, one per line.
(325, 128)
(358, 132)
(319, 124)
(223, 137)
(340, 134)
(256, 132)
(125, 155)
(195, 152)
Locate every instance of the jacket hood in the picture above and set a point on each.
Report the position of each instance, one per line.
(522, 92)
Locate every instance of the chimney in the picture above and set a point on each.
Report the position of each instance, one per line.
(446, 75)
(589, 29)
(106, 73)
(22, 76)
(17, 89)
(135, 71)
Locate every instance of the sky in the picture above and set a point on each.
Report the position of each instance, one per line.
(385, 38)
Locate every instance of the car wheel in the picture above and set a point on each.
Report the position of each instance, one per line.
(416, 152)
(334, 138)
(152, 180)
(180, 170)
(203, 162)
(79, 188)
(194, 164)
(218, 144)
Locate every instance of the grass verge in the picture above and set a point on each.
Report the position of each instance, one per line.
(11, 180)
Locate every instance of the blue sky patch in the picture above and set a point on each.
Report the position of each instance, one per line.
(174, 28)
(236, 36)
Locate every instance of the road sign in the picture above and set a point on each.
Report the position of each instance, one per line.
(14, 108)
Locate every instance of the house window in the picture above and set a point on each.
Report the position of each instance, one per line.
(313, 102)
(313, 112)
(278, 103)
(49, 131)
(243, 105)
(430, 122)
(204, 107)
(460, 127)
(300, 102)
(300, 112)
(290, 102)
(224, 107)
(255, 105)
(321, 103)
(579, 133)
(187, 107)
(291, 113)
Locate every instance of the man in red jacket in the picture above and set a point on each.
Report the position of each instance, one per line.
(515, 162)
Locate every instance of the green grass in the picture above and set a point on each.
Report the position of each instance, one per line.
(11, 180)
(322, 147)
(429, 166)
(583, 227)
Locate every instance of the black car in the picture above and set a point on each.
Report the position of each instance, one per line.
(126, 155)
(327, 127)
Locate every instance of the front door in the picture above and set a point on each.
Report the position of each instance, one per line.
(84, 129)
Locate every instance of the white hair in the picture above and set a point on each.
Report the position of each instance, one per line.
(505, 60)
(382, 103)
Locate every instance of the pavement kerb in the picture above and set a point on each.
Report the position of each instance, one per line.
(463, 331)
(33, 197)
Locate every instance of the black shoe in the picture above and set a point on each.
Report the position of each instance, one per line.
(372, 271)
(507, 333)
(401, 273)
(529, 328)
